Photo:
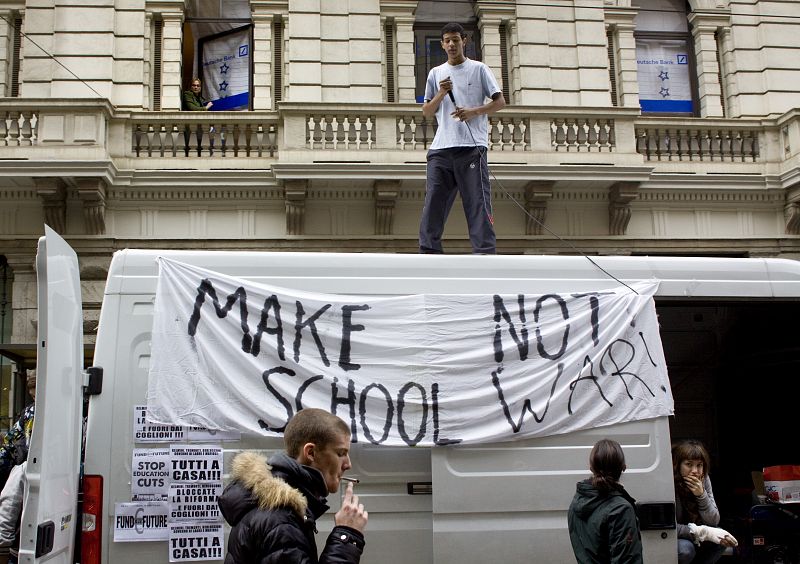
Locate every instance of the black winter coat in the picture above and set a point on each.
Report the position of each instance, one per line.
(273, 509)
(603, 528)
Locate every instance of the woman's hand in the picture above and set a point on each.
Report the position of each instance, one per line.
(694, 485)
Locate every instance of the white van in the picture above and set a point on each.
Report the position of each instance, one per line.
(503, 502)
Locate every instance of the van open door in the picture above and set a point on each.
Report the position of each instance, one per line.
(49, 516)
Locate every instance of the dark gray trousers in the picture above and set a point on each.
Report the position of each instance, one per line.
(461, 170)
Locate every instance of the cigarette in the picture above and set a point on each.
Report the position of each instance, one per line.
(352, 480)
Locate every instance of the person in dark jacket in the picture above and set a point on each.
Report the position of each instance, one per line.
(193, 100)
(273, 507)
(602, 516)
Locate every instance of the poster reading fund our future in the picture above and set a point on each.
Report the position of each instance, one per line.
(663, 71)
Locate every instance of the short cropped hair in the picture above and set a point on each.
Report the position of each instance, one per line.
(312, 425)
(454, 27)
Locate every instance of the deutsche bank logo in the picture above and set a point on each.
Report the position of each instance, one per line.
(683, 59)
(243, 49)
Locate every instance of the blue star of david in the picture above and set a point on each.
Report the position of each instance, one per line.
(223, 85)
(224, 68)
(663, 75)
(664, 92)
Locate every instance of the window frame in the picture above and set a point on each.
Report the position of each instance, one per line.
(423, 32)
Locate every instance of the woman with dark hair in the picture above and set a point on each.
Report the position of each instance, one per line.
(699, 539)
(602, 516)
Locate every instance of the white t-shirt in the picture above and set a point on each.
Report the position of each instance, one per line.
(473, 82)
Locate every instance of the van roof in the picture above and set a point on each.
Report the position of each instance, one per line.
(136, 272)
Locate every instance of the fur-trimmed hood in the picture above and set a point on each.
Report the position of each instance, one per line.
(281, 483)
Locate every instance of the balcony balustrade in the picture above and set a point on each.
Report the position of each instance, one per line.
(384, 133)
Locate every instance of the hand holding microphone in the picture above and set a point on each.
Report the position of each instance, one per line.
(447, 85)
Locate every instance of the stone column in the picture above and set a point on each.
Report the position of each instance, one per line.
(704, 26)
(402, 13)
(621, 24)
(265, 13)
(24, 297)
(730, 87)
(171, 59)
(490, 16)
(404, 55)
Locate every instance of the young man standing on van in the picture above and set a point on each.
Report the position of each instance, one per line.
(456, 93)
(273, 507)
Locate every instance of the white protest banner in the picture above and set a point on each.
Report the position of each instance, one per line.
(140, 521)
(195, 463)
(194, 501)
(144, 432)
(232, 354)
(196, 541)
(149, 473)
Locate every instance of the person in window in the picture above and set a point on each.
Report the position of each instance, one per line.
(456, 93)
(699, 539)
(193, 100)
(602, 520)
(14, 447)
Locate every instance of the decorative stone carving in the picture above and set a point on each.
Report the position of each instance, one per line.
(619, 208)
(54, 201)
(295, 192)
(92, 192)
(385, 199)
(537, 194)
(791, 211)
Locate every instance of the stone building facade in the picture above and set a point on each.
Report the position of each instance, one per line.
(330, 153)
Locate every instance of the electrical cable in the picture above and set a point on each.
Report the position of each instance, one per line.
(59, 63)
(484, 160)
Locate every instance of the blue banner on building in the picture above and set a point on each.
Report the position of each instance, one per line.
(225, 62)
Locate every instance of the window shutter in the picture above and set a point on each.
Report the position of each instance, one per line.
(719, 73)
(16, 44)
(158, 29)
(277, 57)
(505, 75)
(612, 67)
(389, 41)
